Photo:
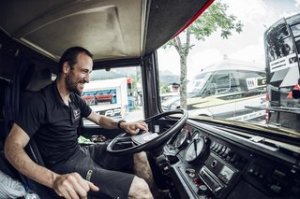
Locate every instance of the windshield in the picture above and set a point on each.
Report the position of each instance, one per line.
(195, 87)
(225, 73)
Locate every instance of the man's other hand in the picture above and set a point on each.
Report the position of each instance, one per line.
(73, 186)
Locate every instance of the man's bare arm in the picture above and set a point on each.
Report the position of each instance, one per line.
(68, 186)
(16, 155)
(108, 123)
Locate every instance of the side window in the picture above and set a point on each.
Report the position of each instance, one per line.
(297, 41)
(115, 93)
(222, 82)
(235, 85)
(296, 32)
(296, 29)
(279, 43)
(249, 80)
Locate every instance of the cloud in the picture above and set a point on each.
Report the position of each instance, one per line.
(168, 60)
(202, 59)
(251, 53)
(297, 3)
(249, 13)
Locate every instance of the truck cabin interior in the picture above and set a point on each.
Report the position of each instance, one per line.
(190, 157)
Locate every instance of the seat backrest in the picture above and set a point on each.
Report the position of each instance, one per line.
(39, 79)
(6, 114)
(9, 104)
(6, 117)
(27, 79)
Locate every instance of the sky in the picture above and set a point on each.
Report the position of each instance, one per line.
(255, 15)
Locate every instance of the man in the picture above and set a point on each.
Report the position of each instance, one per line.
(52, 115)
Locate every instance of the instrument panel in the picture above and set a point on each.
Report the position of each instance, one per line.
(182, 139)
(210, 166)
(195, 148)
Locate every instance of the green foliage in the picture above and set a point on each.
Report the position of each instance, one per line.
(134, 82)
(164, 89)
(213, 19)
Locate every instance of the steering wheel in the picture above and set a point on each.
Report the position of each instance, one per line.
(147, 140)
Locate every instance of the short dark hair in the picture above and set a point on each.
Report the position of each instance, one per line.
(70, 56)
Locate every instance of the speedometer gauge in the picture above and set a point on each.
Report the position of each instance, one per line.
(195, 148)
(182, 139)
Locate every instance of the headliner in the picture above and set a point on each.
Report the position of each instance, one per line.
(110, 29)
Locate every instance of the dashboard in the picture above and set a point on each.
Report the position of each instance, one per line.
(204, 161)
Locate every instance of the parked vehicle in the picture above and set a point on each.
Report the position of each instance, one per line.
(230, 89)
(282, 46)
(107, 97)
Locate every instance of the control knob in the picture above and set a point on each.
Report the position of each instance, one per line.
(203, 191)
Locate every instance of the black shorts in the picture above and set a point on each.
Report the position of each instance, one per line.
(112, 174)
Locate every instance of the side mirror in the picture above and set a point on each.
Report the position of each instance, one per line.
(296, 94)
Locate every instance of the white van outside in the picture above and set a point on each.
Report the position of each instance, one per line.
(228, 90)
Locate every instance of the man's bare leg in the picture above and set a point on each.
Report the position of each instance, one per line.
(139, 189)
(142, 168)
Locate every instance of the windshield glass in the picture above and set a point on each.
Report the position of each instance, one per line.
(237, 63)
(195, 87)
(116, 93)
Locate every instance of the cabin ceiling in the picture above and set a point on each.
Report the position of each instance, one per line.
(110, 29)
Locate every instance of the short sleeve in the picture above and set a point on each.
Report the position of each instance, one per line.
(32, 113)
(84, 108)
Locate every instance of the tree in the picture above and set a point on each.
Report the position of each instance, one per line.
(213, 19)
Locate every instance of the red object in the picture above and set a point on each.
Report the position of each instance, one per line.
(267, 114)
(129, 80)
(194, 17)
(297, 88)
(106, 97)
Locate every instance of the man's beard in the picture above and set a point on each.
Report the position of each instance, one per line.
(71, 85)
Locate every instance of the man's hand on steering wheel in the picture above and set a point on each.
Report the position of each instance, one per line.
(133, 128)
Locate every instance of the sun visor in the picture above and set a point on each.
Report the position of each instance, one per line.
(78, 33)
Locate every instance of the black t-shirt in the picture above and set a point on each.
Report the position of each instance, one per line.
(53, 123)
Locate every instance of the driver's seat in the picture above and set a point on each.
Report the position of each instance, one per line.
(13, 92)
(35, 81)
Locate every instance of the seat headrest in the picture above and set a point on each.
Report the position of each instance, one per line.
(39, 79)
